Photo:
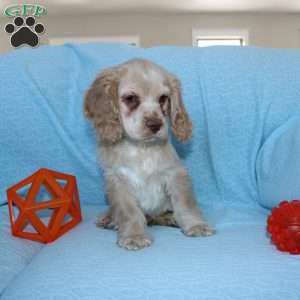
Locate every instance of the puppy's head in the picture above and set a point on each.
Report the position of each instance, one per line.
(138, 100)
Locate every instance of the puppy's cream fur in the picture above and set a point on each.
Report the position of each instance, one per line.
(131, 107)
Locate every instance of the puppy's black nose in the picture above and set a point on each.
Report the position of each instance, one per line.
(154, 124)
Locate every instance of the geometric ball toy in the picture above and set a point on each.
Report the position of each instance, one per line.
(44, 206)
(284, 226)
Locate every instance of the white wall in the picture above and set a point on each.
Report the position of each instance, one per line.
(267, 30)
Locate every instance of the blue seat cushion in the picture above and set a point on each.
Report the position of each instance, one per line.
(15, 253)
(237, 263)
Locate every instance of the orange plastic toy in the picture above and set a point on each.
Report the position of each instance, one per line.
(284, 226)
(46, 219)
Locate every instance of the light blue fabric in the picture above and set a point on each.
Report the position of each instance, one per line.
(15, 253)
(237, 263)
(236, 98)
(278, 165)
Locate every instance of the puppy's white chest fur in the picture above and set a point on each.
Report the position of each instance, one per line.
(149, 188)
(147, 169)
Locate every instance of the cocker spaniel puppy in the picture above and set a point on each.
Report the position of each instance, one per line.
(131, 107)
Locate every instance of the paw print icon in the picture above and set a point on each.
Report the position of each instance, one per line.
(24, 31)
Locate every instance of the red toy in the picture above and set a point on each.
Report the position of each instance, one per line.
(284, 226)
(63, 206)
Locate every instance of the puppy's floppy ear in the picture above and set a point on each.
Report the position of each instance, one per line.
(101, 106)
(180, 123)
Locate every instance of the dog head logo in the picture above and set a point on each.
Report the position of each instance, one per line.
(24, 29)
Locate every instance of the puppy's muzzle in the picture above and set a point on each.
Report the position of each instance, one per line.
(153, 124)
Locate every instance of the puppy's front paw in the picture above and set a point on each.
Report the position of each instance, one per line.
(199, 230)
(135, 242)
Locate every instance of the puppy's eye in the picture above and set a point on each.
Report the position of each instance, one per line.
(163, 99)
(132, 101)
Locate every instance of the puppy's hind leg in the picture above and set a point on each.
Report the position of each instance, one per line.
(105, 220)
(165, 219)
